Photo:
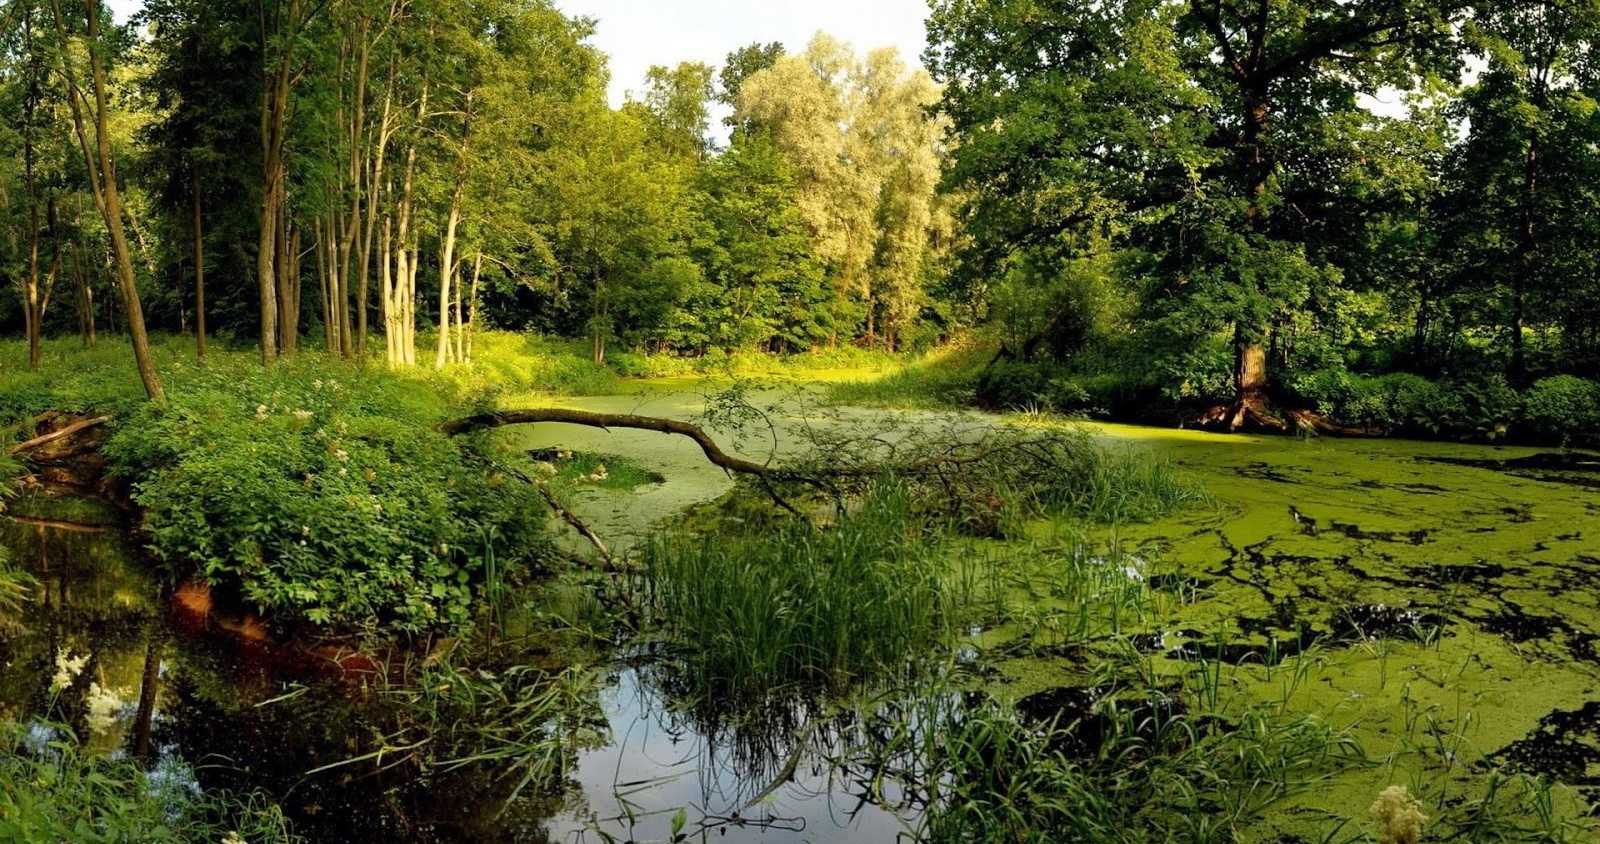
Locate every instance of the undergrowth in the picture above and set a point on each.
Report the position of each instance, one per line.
(51, 790)
(316, 491)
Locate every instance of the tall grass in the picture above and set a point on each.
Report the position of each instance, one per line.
(1155, 776)
(1007, 477)
(50, 790)
(1114, 486)
(799, 608)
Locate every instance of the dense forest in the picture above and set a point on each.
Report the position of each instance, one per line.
(1383, 211)
(355, 170)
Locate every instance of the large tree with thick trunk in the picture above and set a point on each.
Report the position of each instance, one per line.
(1173, 127)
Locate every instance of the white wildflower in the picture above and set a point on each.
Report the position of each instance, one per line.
(68, 668)
(233, 838)
(103, 706)
(545, 469)
(303, 415)
(261, 412)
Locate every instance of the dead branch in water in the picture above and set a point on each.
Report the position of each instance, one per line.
(577, 524)
(607, 421)
(51, 437)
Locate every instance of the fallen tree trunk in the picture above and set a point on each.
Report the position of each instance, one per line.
(51, 437)
(607, 421)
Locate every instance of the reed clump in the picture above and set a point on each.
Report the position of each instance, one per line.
(750, 615)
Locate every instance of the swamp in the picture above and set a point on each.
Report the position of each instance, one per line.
(1259, 639)
(933, 421)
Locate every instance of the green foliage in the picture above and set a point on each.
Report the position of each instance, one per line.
(752, 615)
(322, 496)
(764, 285)
(1564, 404)
(1410, 404)
(1158, 774)
(319, 493)
(50, 790)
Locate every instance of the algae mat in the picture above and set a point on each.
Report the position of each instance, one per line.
(1439, 602)
(1446, 598)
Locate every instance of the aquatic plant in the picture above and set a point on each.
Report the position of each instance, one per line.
(1399, 816)
(521, 725)
(750, 615)
(1127, 767)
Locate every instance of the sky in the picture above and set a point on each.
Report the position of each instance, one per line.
(639, 33)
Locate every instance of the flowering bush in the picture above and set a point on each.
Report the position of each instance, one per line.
(322, 496)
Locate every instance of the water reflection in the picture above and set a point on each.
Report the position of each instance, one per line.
(99, 651)
(772, 776)
(130, 669)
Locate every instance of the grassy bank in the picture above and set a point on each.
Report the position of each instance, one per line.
(1555, 409)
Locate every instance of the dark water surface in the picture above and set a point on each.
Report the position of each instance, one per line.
(209, 701)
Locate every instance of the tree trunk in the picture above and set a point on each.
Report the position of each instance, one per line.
(386, 289)
(102, 176)
(199, 274)
(1250, 356)
(1527, 244)
(83, 300)
(447, 266)
(472, 314)
(274, 127)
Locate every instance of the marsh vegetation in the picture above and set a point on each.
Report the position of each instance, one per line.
(785, 483)
(1012, 628)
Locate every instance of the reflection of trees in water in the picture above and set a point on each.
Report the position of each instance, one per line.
(185, 700)
(317, 750)
(79, 654)
(870, 753)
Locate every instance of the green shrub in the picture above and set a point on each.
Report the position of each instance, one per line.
(1404, 403)
(1015, 385)
(320, 495)
(1564, 404)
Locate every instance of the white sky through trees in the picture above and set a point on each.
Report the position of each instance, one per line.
(639, 33)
